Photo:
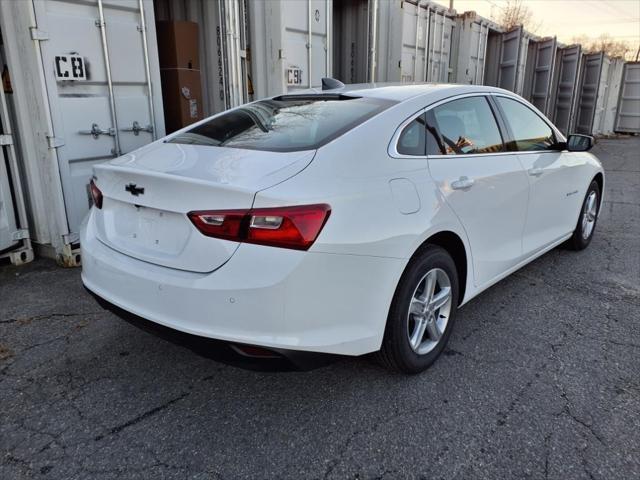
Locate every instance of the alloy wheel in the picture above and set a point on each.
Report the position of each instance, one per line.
(429, 311)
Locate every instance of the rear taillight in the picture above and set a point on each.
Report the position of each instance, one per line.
(286, 227)
(96, 194)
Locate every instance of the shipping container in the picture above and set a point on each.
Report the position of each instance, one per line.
(350, 40)
(565, 87)
(414, 41)
(607, 103)
(86, 89)
(539, 72)
(15, 242)
(223, 47)
(506, 59)
(290, 45)
(628, 113)
(591, 91)
(473, 35)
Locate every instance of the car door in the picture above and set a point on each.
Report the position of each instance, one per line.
(485, 186)
(554, 200)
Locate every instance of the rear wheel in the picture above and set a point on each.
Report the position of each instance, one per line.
(422, 313)
(586, 225)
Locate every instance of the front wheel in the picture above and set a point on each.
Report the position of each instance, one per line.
(422, 313)
(586, 225)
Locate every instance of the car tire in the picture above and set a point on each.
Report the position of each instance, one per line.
(586, 225)
(423, 286)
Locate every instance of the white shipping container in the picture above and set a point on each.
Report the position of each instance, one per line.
(565, 87)
(223, 48)
(607, 96)
(473, 34)
(606, 112)
(15, 242)
(539, 73)
(290, 41)
(418, 38)
(592, 90)
(628, 114)
(506, 58)
(87, 88)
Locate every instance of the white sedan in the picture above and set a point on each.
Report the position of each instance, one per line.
(346, 221)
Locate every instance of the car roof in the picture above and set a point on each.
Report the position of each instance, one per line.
(400, 92)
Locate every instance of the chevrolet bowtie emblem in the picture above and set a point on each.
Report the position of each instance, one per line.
(134, 190)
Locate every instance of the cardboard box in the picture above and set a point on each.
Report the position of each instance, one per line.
(182, 97)
(178, 44)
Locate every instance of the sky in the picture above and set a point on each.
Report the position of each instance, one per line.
(570, 18)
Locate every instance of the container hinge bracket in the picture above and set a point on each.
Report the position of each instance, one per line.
(54, 142)
(6, 139)
(37, 34)
(21, 234)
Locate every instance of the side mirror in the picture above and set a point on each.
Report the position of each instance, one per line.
(580, 143)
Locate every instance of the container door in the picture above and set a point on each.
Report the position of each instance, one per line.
(440, 32)
(102, 77)
(509, 59)
(601, 99)
(611, 104)
(628, 117)
(13, 216)
(7, 213)
(588, 93)
(566, 89)
(543, 74)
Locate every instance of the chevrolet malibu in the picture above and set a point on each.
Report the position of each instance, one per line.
(348, 220)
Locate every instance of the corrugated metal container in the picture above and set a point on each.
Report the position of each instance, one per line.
(506, 60)
(607, 103)
(290, 44)
(414, 41)
(15, 241)
(472, 36)
(592, 87)
(349, 40)
(86, 88)
(628, 115)
(565, 86)
(223, 46)
(539, 72)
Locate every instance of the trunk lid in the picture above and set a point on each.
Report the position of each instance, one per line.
(147, 194)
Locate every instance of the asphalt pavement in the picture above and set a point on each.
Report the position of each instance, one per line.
(541, 380)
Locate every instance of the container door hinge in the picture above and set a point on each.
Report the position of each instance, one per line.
(54, 142)
(21, 234)
(37, 34)
(6, 139)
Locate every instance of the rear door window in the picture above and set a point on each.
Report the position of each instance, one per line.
(530, 132)
(284, 124)
(468, 126)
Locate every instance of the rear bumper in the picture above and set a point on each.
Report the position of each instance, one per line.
(265, 296)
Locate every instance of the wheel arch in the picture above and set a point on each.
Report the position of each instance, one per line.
(454, 245)
(599, 179)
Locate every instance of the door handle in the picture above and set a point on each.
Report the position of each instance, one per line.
(136, 128)
(536, 172)
(96, 131)
(463, 183)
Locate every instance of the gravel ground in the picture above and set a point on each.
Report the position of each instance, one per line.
(541, 380)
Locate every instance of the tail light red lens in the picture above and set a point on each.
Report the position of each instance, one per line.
(96, 194)
(286, 227)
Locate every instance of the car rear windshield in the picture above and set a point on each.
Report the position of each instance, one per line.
(284, 124)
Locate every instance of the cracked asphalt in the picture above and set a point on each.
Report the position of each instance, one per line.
(541, 380)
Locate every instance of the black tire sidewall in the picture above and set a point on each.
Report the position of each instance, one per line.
(579, 242)
(396, 333)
